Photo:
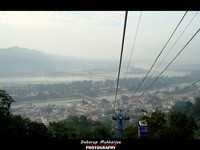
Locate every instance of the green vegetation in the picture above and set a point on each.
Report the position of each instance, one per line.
(5, 102)
(175, 125)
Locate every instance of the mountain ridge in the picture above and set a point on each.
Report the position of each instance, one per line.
(17, 61)
(23, 61)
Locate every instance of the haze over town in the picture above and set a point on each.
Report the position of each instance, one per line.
(50, 58)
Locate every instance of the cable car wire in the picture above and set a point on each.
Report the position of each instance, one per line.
(126, 14)
(133, 43)
(160, 53)
(174, 43)
(170, 62)
(191, 85)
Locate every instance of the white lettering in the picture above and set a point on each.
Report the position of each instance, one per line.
(88, 142)
(100, 147)
(110, 142)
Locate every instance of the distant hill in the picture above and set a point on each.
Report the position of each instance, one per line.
(16, 61)
(22, 61)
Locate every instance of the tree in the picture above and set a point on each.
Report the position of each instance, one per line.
(131, 132)
(5, 102)
(175, 125)
(99, 132)
(36, 131)
(12, 127)
(182, 106)
(182, 126)
(60, 131)
(18, 128)
(195, 111)
(156, 125)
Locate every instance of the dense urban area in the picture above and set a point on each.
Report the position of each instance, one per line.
(84, 109)
(54, 102)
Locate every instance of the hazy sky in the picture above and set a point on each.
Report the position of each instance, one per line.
(98, 34)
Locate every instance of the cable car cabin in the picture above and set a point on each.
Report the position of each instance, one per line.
(142, 129)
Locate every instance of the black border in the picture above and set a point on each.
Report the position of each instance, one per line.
(138, 144)
(112, 5)
(98, 6)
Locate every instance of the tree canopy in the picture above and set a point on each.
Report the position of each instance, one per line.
(5, 102)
